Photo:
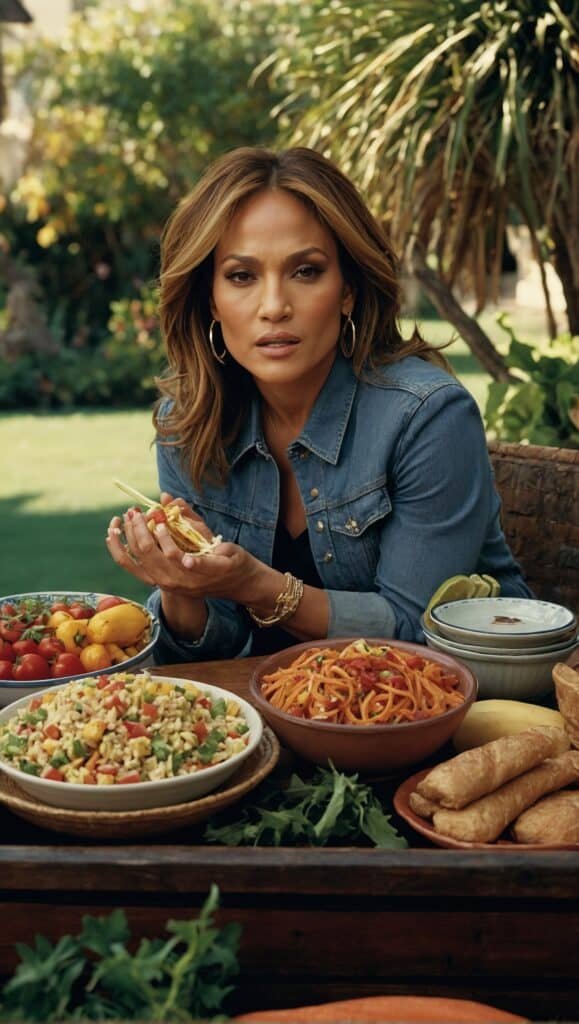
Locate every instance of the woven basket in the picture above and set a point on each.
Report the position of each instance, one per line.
(539, 490)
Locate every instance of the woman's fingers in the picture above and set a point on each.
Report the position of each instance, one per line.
(122, 554)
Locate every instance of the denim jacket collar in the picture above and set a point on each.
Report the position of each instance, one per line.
(324, 431)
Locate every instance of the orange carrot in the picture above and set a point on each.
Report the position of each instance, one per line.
(403, 1009)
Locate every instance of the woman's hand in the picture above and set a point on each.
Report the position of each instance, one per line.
(230, 572)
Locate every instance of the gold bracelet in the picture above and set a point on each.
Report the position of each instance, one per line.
(286, 603)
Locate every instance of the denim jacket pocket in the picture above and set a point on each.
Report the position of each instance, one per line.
(356, 525)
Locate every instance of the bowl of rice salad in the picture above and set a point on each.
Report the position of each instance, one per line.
(126, 741)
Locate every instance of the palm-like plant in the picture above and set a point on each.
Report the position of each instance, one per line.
(453, 116)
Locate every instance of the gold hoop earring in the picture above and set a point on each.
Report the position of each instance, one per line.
(349, 323)
(219, 358)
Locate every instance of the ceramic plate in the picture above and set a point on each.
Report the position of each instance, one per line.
(12, 690)
(109, 825)
(425, 828)
(504, 621)
(139, 795)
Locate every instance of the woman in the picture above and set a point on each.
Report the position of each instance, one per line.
(345, 468)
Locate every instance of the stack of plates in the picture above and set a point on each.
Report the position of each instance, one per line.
(510, 643)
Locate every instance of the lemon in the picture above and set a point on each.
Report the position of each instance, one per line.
(494, 584)
(457, 588)
(482, 586)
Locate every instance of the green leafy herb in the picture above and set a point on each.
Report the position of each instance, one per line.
(94, 976)
(218, 707)
(329, 807)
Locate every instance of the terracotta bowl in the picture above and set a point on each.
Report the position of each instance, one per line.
(370, 749)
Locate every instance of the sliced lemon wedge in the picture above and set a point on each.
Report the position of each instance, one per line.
(482, 586)
(494, 584)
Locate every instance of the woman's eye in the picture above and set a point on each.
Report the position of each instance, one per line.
(239, 276)
(308, 272)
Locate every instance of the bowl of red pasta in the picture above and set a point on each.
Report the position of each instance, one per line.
(369, 705)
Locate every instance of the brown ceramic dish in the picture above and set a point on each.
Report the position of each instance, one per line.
(370, 749)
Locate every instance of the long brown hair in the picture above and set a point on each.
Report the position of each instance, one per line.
(210, 401)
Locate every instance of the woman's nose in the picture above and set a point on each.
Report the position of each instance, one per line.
(274, 304)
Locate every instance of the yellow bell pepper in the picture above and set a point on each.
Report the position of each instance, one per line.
(57, 618)
(122, 624)
(73, 634)
(117, 655)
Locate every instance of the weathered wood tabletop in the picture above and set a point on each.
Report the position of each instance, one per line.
(320, 923)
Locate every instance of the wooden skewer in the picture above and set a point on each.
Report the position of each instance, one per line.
(136, 495)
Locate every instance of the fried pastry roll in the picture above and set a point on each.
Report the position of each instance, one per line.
(485, 819)
(421, 806)
(554, 819)
(481, 770)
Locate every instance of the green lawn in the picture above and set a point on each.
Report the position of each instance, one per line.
(57, 494)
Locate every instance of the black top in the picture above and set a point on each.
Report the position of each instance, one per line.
(290, 554)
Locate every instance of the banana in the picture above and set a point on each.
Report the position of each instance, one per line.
(490, 719)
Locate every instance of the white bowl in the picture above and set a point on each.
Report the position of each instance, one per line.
(13, 690)
(507, 675)
(138, 795)
(505, 621)
(453, 647)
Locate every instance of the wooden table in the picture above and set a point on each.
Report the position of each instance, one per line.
(320, 923)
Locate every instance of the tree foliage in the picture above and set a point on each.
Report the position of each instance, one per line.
(450, 117)
(129, 110)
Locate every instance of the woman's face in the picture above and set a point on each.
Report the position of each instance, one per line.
(278, 290)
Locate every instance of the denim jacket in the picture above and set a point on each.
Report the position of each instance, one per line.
(397, 487)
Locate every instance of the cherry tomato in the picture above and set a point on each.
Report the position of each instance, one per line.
(8, 610)
(59, 606)
(11, 630)
(109, 602)
(31, 666)
(21, 647)
(6, 651)
(49, 647)
(6, 669)
(81, 611)
(67, 665)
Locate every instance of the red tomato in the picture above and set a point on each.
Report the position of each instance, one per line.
(80, 611)
(156, 516)
(6, 651)
(129, 777)
(67, 665)
(21, 647)
(52, 732)
(8, 610)
(135, 729)
(103, 681)
(31, 666)
(201, 731)
(6, 669)
(53, 773)
(35, 704)
(116, 702)
(50, 647)
(11, 630)
(59, 606)
(109, 602)
(150, 711)
(107, 769)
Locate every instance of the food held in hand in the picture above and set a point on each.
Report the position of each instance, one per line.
(181, 528)
(362, 685)
(122, 729)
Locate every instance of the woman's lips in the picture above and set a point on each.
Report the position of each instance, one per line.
(277, 344)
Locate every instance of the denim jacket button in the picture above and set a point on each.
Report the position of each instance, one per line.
(314, 493)
(319, 526)
(352, 525)
(328, 557)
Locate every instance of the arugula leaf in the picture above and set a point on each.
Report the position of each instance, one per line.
(330, 807)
